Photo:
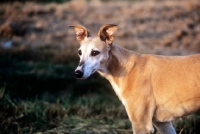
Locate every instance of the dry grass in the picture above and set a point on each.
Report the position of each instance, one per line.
(159, 27)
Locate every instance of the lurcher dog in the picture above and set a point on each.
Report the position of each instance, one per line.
(154, 89)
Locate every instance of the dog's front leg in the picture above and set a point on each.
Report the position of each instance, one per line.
(137, 130)
(141, 117)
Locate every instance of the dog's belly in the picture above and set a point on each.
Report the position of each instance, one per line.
(176, 100)
(176, 87)
(175, 109)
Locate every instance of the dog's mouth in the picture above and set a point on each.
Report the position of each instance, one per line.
(93, 71)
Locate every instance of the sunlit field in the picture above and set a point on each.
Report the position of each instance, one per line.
(38, 56)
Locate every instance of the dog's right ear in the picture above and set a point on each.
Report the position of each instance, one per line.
(81, 32)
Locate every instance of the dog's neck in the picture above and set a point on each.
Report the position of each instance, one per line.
(119, 64)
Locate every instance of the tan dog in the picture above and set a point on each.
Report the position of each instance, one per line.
(154, 89)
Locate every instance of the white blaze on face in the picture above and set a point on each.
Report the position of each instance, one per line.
(89, 63)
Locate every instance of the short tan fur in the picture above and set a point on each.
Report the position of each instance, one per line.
(154, 89)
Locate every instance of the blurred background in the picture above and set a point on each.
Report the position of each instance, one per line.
(38, 56)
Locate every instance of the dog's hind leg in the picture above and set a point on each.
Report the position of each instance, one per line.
(164, 127)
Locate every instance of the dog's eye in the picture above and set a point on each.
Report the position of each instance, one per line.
(79, 52)
(94, 53)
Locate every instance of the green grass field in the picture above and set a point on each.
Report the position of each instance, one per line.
(43, 96)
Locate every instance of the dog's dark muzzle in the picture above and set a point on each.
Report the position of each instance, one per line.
(78, 74)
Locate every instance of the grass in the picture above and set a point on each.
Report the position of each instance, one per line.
(85, 114)
(92, 113)
(41, 95)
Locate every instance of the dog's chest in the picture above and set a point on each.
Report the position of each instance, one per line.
(118, 91)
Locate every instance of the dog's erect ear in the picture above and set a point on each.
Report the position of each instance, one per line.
(81, 32)
(106, 33)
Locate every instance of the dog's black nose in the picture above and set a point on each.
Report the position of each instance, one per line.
(78, 74)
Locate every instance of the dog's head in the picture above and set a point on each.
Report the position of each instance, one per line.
(93, 51)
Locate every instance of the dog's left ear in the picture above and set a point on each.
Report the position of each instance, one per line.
(106, 33)
(81, 32)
